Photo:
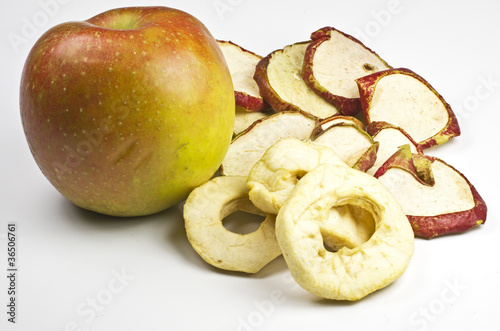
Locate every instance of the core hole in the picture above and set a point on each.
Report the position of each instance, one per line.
(347, 226)
(242, 222)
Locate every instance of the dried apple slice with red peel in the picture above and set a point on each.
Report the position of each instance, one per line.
(241, 64)
(390, 138)
(279, 78)
(248, 147)
(405, 99)
(353, 145)
(436, 197)
(332, 63)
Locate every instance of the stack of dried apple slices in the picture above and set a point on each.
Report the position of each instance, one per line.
(330, 104)
(316, 87)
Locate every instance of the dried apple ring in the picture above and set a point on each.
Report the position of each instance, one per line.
(350, 273)
(274, 176)
(204, 212)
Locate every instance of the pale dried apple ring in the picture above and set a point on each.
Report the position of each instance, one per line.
(205, 209)
(350, 273)
(273, 177)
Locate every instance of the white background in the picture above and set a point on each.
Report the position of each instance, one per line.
(83, 271)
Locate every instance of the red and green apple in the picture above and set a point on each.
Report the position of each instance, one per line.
(125, 113)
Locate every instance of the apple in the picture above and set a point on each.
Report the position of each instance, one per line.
(127, 112)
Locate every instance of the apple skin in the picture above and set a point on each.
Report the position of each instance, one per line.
(368, 158)
(127, 112)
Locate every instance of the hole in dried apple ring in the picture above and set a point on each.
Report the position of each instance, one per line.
(347, 226)
(238, 218)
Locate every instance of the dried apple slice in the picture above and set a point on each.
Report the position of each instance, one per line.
(350, 273)
(353, 145)
(442, 203)
(279, 77)
(244, 119)
(248, 147)
(242, 63)
(367, 159)
(204, 212)
(403, 98)
(332, 63)
(390, 138)
(276, 174)
(335, 119)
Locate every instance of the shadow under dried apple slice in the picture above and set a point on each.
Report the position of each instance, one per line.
(332, 63)
(436, 197)
(241, 64)
(279, 78)
(405, 99)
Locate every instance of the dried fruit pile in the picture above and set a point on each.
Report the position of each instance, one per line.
(329, 147)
